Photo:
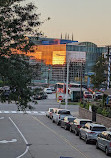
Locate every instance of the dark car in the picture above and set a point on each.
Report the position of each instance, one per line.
(43, 95)
(77, 124)
(67, 121)
(39, 96)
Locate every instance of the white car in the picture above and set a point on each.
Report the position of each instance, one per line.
(97, 95)
(48, 90)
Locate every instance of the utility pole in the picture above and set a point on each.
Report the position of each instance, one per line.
(109, 63)
(48, 76)
(81, 84)
(66, 99)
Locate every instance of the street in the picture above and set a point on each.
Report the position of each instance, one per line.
(33, 135)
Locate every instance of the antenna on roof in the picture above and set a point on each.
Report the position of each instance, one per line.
(72, 37)
(61, 35)
(68, 37)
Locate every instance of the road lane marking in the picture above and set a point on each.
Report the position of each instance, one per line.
(60, 136)
(1, 118)
(6, 112)
(22, 112)
(26, 142)
(6, 141)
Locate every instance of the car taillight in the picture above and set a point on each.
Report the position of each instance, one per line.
(78, 126)
(110, 144)
(91, 132)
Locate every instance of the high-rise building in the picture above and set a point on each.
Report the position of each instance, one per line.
(51, 56)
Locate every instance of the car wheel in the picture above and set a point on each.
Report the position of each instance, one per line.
(106, 151)
(76, 133)
(57, 123)
(79, 135)
(65, 127)
(70, 129)
(86, 140)
(97, 145)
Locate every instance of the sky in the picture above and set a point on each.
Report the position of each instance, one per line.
(87, 20)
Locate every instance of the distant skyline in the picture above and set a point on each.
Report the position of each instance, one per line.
(87, 20)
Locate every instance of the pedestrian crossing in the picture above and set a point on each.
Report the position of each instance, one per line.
(23, 112)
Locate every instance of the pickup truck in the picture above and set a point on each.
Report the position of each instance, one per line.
(59, 115)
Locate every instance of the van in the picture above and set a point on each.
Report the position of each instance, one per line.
(48, 90)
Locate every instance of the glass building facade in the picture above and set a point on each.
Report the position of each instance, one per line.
(50, 58)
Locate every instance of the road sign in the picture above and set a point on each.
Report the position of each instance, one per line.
(60, 98)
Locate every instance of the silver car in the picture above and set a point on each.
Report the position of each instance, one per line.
(48, 113)
(104, 142)
(90, 131)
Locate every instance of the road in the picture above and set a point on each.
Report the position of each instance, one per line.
(33, 135)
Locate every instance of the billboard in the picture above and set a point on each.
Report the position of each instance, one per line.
(75, 56)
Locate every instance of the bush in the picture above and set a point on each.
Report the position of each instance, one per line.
(99, 110)
(105, 112)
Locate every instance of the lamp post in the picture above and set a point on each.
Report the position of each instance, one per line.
(109, 63)
(67, 80)
(81, 84)
(48, 76)
(66, 98)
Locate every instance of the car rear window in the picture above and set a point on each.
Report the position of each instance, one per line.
(71, 119)
(64, 112)
(62, 117)
(98, 129)
(84, 122)
(51, 110)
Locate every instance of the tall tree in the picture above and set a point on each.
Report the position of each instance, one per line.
(16, 23)
(99, 72)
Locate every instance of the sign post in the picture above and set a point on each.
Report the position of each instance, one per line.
(60, 99)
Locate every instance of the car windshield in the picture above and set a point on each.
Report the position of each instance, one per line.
(98, 129)
(64, 112)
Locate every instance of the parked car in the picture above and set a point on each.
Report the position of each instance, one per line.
(43, 95)
(104, 142)
(87, 95)
(57, 115)
(48, 113)
(67, 121)
(77, 124)
(89, 131)
(51, 114)
(97, 95)
(48, 90)
(40, 95)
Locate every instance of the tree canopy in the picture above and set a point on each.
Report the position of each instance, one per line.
(99, 70)
(16, 23)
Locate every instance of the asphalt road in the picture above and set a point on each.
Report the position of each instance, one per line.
(35, 136)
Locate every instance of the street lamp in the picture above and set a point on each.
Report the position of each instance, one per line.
(66, 97)
(67, 80)
(48, 76)
(109, 63)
